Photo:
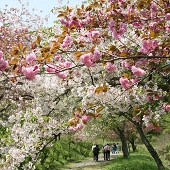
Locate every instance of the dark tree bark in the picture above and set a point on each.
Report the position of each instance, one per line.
(132, 142)
(149, 147)
(124, 143)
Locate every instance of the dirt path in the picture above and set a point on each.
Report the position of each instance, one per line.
(89, 164)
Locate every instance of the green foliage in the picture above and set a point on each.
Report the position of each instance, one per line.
(161, 140)
(62, 152)
(140, 159)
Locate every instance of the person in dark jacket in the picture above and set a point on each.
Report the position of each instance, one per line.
(96, 153)
(114, 148)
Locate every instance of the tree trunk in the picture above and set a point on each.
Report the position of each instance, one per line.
(124, 144)
(128, 147)
(132, 141)
(149, 147)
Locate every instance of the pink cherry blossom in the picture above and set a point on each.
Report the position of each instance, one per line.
(65, 22)
(94, 34)
(148, 45)
(67, 42)
(80, 126)
(57, 57)
(137, 71)
(61, 75)
(110, 67)
(50, 68)
(166, 107)
(167, 16)
(72, 128)
(154, 9)
(141, 62)
(168, 29)
(78, 115)
(154, 44)
(117, 33)
(127, 83)
(87, 59)
(149, 110)
(1, 54)
(126, 64)
(31, 58)
(96, 55)
(150, 125)
(156, 97)
(157, 129)
(87, 18)
(3, 63)
(62, 60)
(148, 98)
(144, 13)
(138, 24)
(85, 119)
(67, 64)
(30, 72)
(111, 25)
(136, 118)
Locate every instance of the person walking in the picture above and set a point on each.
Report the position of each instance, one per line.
(114, 148)
(94, 145)
(117, 148)
(106, 152)
(96, 153)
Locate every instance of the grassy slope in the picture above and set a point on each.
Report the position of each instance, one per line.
(139, 160)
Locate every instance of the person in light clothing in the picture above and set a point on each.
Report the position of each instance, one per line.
(106, 152)
(94, 145)
(117, 148)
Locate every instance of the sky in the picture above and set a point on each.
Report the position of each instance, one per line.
(44, 5)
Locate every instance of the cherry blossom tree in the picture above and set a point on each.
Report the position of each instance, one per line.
(109, 54)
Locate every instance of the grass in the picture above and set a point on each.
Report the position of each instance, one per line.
(62, 153)
(139, 160)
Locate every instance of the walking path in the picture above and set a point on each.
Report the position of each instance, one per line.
(90, 164)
